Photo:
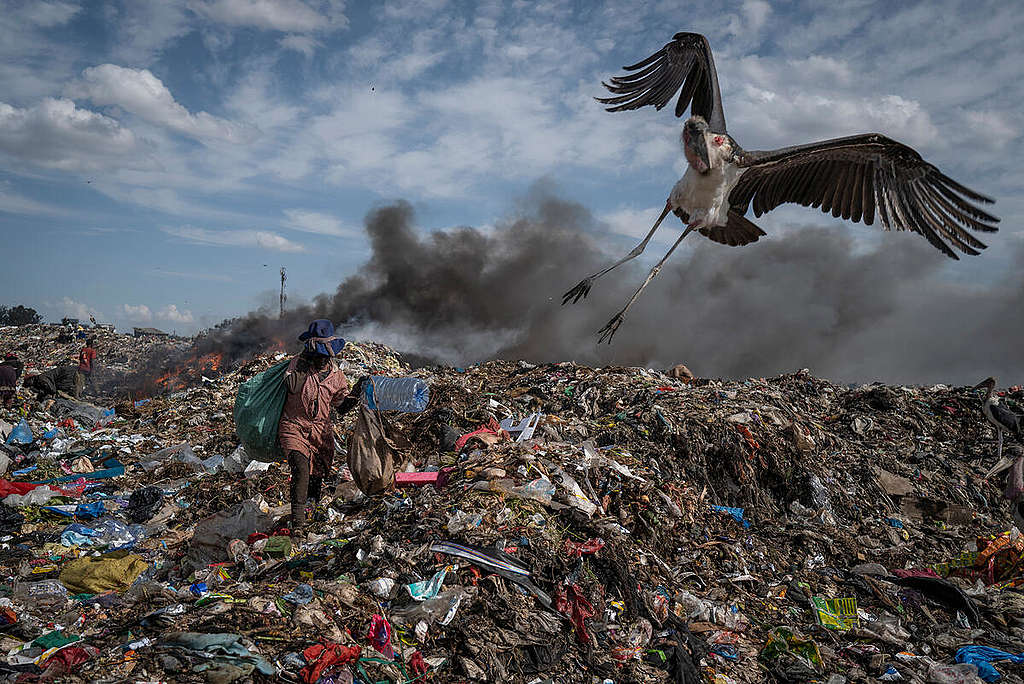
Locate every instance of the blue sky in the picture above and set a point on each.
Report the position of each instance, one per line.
(161, 160)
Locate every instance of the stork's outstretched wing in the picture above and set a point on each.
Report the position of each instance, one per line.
(859, 176)
(686, 62)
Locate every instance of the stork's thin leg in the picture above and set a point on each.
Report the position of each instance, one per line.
(582, 288)
(1000, 454)
(608, 331)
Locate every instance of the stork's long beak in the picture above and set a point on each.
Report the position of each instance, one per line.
(699, 149)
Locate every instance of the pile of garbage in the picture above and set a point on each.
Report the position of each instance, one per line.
(552, 523)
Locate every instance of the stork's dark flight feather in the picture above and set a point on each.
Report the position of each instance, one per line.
(861, 177)
(684, 65)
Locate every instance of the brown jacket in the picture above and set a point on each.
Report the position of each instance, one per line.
(306, 419)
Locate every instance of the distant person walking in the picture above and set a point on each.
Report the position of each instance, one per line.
(10, 370)
(86, 362)
(315, 385)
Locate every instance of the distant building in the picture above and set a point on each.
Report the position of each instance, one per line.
(149, 332)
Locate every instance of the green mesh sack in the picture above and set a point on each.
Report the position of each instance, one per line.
(258, 411)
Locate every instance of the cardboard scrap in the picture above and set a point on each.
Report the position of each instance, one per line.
(893, 484)
(923, 508)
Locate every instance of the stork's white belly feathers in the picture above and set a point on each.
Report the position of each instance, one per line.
(705, 196)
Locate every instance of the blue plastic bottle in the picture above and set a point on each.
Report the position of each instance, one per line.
(409, 395)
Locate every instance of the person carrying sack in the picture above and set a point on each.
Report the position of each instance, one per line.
(315, 385)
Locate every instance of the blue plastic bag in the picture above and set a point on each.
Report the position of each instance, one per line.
(983, 657)
(21, 434)
(258, 411)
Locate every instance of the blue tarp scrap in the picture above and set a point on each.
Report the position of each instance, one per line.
(112, 468)
(736, 513)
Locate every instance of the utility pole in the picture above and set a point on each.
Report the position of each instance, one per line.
(284, 297)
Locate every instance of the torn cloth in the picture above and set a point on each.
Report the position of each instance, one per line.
(570, 602)
(321, 657)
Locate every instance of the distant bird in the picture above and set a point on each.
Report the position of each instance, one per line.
(857, 177)
(1003, 419)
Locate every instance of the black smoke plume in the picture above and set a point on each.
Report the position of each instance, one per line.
(807, 298)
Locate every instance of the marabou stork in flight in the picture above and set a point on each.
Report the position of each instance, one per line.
(861, 177)
(1002, 419)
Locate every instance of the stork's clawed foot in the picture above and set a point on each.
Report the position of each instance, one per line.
(579, 292)
(608, 331)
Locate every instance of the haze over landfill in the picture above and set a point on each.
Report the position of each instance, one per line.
(188, 150)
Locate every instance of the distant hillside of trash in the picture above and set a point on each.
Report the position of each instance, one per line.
(548, 523)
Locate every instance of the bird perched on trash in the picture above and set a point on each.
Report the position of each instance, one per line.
(1003, 419)
(861, 177)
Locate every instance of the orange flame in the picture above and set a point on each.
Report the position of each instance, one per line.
(190, 371)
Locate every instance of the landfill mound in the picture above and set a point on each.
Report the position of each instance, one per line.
(550, 523)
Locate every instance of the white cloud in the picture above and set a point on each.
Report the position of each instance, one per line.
(57, 134)
(316, 222)
(275, 15)
(144, 28)
(764, 117)
(236, 238)
(171, 313)
(143, 94)
(72, 309)
(636, 223)
(994, 129)
(139, 313)
(756, 12)
(307, 45)
(42, 14)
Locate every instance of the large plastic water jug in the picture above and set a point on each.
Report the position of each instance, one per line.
(409, 395)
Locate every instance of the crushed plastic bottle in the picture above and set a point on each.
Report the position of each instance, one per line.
(464, 521)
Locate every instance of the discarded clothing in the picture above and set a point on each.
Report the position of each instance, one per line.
(226, 647)
(322, 657)
(94, 575)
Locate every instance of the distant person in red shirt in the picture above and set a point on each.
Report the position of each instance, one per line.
(87, 361)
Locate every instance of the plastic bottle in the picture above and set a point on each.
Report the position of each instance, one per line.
(409, 395)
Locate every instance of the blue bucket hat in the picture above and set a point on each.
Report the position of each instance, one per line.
(320, 338)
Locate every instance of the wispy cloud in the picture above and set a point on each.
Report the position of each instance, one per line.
(317, 222)
(191, 275)
(276, 15)
(235, 238)
(13, 203)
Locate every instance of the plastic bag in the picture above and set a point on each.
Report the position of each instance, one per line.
(258, 411)
(371, 452)
(21, 434)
